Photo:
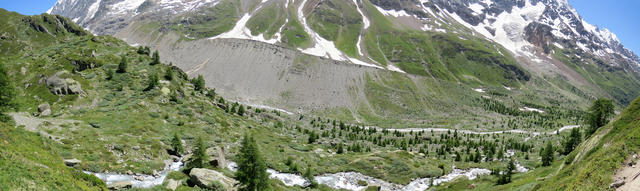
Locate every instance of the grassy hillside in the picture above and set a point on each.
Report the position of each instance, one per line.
(592, 165)
(31, 161)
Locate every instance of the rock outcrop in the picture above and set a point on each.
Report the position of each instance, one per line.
(172, 184)
(204, 177)
(616, 184)
(62, 86)
(121, 185)
(72, 162)
(217, 156)
(44, 109)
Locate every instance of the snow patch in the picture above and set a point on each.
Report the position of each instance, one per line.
(395, 68)
(480, 90)
(393, 13)
(92, 10)
(558, 45)
(240, 31)
(476, 8)
(267, 107)
(531, 109)
(322, 47)
(509, 25)
(125, 6)
(365, 20)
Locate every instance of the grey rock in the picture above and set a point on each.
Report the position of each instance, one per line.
(217, 157)
(204, 177)
(72, 162)
(616, 184)
(44, 109)
(172, 184)
(63, 86)
(121, 185)
(175, 158)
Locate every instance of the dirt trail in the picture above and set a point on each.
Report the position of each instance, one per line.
(36, 124)
(629, 174)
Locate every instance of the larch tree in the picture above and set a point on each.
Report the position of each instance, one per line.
(252, 169)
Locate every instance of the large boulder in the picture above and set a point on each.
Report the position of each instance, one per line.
(44, 109)
(120, 185)
(62, 86)
(72, 162)
(172, 184)
(217, 157)
(205, 177)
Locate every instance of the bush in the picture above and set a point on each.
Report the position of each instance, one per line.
(216, 186)
(109, 74)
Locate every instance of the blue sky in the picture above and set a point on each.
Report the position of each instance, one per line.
(619, 16)
(27, 7)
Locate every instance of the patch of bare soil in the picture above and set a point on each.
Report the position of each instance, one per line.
(627, 178)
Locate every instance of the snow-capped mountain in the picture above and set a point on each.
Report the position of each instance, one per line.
(110, 16)
(543, 23)
(501, 43)
(517, 25)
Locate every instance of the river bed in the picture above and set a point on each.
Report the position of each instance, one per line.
(140, 180)
(349, 180)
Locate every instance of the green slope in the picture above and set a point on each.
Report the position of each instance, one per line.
(598, 157)
(32, 162)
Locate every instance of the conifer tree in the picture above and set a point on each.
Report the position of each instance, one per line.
(340, 150)
(198, 83)
(598, 115)
(156, 58)
(252, 170)
(153, 82)
(547, 154)
(308, 174)
(199, 158)
(122, 67)
(176, 144)
(168, 75)
(241, 110)
(572, 141)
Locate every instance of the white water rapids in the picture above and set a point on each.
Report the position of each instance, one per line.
(143, 181)
(349, 180)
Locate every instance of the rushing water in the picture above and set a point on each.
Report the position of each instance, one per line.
(340, 180)
(349, 180)
(142, 181)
